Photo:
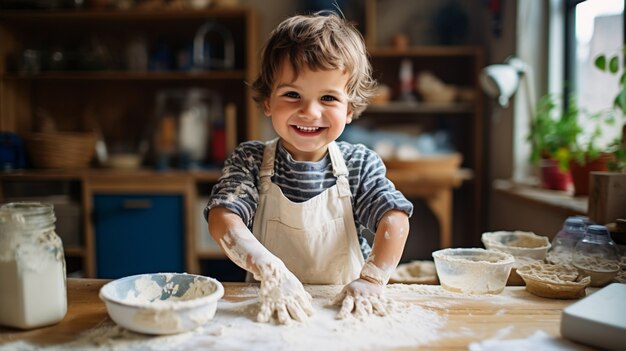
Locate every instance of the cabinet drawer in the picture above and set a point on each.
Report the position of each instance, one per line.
(137, 234)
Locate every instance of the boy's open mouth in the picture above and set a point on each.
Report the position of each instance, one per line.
(307, 130)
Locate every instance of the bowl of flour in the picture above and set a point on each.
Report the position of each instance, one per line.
(162, 303)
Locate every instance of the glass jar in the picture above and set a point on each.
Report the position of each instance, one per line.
(33, 291)
(562, 249)
(596, 255)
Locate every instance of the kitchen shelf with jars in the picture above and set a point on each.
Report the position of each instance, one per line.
(124, 114)
(426, 122)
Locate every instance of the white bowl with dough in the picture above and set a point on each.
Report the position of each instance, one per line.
(518, 243)
(473, 270)
(162, 303)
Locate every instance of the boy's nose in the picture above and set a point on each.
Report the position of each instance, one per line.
(310, 109)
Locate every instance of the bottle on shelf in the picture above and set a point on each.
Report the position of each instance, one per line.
(597, 256)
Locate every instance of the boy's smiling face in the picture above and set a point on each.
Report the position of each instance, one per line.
(309, 111)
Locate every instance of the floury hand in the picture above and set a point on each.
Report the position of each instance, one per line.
(282, 294)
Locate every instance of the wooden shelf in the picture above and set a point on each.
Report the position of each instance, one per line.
(420, 108)
(104, 173)
(458, 66)
(124, 75)
(425, 51)
(121, 102)
(117, 15)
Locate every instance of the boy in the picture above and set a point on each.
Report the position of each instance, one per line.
(307, 197)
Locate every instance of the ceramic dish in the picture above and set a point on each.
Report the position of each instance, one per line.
(473, 270)
(162, 303)
(518, 243)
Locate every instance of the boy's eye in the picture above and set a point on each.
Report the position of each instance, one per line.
(292, 94)
(328, 98)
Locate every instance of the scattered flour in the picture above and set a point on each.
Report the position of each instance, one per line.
(234, 327)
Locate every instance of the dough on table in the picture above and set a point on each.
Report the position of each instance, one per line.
(415, 272)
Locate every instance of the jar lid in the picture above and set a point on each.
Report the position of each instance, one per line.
(597, 230)
(575, 222)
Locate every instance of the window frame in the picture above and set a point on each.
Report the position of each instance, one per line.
(569, 48)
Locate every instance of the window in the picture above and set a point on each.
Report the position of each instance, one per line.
(593, 27)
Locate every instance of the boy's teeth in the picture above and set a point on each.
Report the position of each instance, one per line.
(307, 129)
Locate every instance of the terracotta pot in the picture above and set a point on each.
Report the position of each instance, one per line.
(553, 178)
(581, 174)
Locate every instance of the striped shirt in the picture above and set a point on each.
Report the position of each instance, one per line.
(372, 193)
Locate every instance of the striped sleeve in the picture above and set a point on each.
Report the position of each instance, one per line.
(237, 189)
(375, 194)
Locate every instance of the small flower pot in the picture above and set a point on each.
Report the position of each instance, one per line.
(582, 173)
(554, 178)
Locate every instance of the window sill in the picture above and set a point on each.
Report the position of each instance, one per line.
(530, 192)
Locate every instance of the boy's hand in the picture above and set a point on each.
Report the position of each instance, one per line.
(363, 298)
(282, 294)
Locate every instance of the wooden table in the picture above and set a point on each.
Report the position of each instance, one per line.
(513, 314)
(436, 189)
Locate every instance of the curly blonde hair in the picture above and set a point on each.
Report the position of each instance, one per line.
(321, 41)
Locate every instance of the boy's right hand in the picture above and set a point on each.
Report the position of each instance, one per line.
(281, 293)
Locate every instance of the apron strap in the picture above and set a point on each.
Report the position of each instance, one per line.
(269, 153)
(267, 165)
(339, 169)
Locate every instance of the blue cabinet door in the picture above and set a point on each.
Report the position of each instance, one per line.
(138, 234)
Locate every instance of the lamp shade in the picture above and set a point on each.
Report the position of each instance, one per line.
(500, 81)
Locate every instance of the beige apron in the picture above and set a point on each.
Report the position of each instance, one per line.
(316, 239)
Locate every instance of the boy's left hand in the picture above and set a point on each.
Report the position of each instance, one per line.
(362, 298)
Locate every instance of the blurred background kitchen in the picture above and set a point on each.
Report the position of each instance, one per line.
(121, 113)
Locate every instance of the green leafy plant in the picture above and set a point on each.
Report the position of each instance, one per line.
(612, 66)
(552, 132)
(557, 133)
(586, 147)
(618, 150)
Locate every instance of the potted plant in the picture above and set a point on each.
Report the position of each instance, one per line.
(586, 154)
(565, 151)
(587, 157)
(551, 136)
(568, 152)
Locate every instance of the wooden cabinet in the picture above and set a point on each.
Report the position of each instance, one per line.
(77, 67)
(138, 233)
(454, 198)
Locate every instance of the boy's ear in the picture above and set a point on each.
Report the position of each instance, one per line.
(349, 116)
(266, 107)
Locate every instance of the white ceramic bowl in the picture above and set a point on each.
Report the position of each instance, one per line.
(162, 303)
(520, 244)
(473, 270)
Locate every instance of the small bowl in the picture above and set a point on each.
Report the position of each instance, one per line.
(473, 270)
(554, 281)
(162, 303)
(520, 244)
